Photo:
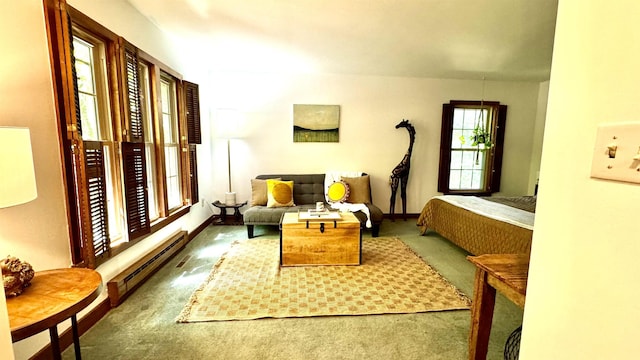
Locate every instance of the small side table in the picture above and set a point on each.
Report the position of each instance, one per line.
(53, 297)
(223, 211)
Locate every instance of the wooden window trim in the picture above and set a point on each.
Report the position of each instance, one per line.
(494, 166)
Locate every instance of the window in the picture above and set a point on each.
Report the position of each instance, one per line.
(471, 146)
(149, 140)
(171, 145)
(95, 116)
(125, 152)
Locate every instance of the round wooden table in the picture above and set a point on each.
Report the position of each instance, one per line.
(53, 296)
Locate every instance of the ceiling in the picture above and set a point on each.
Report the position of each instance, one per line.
(459, 39)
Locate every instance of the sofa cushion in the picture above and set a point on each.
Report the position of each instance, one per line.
(265, 215)
(359, 189)
(307, 188)
(259, 192)
(279, 193)
(338, 191)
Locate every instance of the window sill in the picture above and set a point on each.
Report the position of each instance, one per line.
(155, 226)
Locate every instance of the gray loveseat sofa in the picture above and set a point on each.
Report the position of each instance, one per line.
(307, 190)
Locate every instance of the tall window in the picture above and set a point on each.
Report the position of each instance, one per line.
(471, 145)
(120, 114)
(149, 140)
(171, 142)
(95, 116)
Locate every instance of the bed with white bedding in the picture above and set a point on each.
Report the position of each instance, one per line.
(494, 225)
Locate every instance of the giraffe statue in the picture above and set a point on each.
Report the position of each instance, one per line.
(400, 174)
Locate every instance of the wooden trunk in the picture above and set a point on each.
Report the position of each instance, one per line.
(320, 242)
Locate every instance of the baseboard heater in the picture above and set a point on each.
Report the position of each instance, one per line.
(123, 284)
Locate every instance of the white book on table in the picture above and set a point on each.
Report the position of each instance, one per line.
(314, 215)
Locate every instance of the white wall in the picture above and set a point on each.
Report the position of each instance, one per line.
(370, 109)
(538, 136)
(37, 232)
(582, 297)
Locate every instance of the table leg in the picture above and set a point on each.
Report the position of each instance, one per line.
(237, 213)
(55, 343)
(76, 337)
(484, 300)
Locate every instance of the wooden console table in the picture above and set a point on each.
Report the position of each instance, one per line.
(53, 297)
(506, 273)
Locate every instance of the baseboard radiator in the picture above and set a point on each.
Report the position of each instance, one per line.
(127, 281)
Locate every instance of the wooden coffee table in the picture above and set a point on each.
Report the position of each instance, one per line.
(321, 241)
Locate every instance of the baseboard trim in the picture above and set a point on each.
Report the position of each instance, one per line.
(84, 324)
(200, 228)
(400, 216)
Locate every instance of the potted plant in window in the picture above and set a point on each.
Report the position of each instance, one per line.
(481, 139)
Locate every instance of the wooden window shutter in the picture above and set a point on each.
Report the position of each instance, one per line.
(193, 173)
(75, 123)
(97, 193)
(135, 127)
(135, 189)
(496, 174)
(192, 98)
(445, 147)
(60, 38)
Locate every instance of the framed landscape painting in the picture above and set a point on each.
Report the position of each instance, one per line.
(316, 123)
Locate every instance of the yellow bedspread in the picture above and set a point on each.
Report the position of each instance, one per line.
(475, 233)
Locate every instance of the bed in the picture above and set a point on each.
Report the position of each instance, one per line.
(493, 225)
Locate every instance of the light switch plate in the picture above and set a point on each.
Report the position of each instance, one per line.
(616, 155)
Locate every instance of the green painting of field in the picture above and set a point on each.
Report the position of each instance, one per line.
(316, 123)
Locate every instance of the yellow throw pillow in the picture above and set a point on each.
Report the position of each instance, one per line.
(279, 193)
(338, 192)
(359, 189)
(259, 192)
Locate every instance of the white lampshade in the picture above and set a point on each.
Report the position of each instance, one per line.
(17, 177)
(229, 123)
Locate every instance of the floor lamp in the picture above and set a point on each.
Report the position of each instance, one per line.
(229, 196)
(229, 124)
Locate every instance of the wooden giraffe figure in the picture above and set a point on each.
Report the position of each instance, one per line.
(400, 174)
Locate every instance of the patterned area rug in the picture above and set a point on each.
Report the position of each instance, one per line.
(248, 283)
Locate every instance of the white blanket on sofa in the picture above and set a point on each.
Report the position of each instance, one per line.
(332, 176)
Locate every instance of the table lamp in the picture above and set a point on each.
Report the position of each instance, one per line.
(17, 180)
(17, 186)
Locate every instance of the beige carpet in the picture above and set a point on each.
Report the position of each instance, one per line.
(248, 283)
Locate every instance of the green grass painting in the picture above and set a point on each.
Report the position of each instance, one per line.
(316, 123)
